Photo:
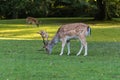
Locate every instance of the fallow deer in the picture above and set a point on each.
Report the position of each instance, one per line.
(67, 32)
(32, 20)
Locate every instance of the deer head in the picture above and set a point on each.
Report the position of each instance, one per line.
(38, 23)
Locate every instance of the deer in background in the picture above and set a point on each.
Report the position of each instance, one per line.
(32, 20)
(67, 32)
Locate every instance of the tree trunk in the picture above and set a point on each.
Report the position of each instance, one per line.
(103, 10)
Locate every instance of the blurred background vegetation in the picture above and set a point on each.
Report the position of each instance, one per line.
(99, 9)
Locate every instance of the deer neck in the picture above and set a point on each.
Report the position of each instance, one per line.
(54, 41)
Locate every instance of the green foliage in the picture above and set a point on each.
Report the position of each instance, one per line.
(24, 8)
(115, 8)
(73, 8)
(56, 8)
(107, 9)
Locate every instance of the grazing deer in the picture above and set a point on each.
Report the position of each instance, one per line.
(31, 20)
(67, 32)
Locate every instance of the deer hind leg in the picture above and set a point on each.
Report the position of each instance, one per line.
(80, 50)
(83, 44)
(63, 45)
(85, 49)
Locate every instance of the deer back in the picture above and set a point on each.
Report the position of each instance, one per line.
(74, 29)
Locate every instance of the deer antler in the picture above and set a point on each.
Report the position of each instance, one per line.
(44, 36)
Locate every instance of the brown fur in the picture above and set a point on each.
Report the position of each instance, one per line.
(72, 29)
(32, 20)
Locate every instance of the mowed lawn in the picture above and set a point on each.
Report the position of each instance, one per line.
(22, 59)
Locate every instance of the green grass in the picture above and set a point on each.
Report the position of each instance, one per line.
(20, 58)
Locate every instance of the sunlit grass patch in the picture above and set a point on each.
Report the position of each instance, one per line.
(27, 32)
(102, 26)
(12, 25)
(18, 29)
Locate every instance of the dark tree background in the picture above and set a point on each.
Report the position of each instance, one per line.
(103, 10)
(99, 9)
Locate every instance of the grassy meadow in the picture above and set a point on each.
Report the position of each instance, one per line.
(21, 58)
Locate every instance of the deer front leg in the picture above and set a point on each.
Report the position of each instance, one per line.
(68, 46)
(63, 45)
(83, 44)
